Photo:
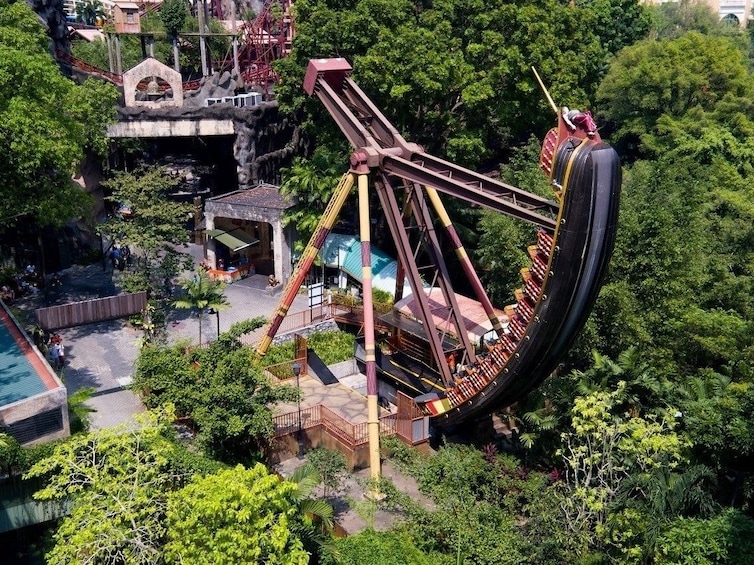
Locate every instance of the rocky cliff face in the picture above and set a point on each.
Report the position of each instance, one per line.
(52, 16)
(265, 140)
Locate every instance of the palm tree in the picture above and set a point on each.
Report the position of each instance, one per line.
(202, 294)
(643, 386)
(315, 524)
(90, 10)
(664, 494)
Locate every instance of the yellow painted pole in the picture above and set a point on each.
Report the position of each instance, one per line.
(373, 416)
(307, 258)
(547, 92)
(464, 260)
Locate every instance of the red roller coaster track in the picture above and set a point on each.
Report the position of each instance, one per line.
(262, 41)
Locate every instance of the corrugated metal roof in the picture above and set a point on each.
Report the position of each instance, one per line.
(473, 316)
(385, 279)
(337, 244)
(352, 260)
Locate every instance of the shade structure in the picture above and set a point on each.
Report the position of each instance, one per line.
(235, 239)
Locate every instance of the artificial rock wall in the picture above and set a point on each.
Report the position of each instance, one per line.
(265, 140)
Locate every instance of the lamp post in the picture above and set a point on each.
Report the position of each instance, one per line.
(297, 372)
(216, 313)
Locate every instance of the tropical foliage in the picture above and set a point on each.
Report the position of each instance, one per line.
(221, 388)
(203, 294)
(48, 122)
(238, 515)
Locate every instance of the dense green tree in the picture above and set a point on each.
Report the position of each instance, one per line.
(375, 548)
(116, 482)
(619, 23)
(469, 87)
(601, 449)
(312, 183)
(717, 418)
(173, 14)
(222, 388)
(235, 516)
(670, 77)
(454, 77)
(725, 538)
(47, 124)
(202, 294)
(155, 229)
(662, 495)
(672, 19)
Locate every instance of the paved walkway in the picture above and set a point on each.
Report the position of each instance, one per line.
(102, 355)
(338, 397)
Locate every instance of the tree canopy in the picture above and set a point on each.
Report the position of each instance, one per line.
(222, 388)
(236, 516)
(47, 123)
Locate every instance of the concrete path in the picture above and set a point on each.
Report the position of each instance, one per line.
(102, 355)
(341, 399)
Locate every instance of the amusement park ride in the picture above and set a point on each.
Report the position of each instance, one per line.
(576, 233)
(257, 43)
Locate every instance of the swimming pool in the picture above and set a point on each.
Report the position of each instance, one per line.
(19, 379)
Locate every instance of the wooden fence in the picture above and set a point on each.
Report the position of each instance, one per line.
(410, 430)
(89, 311)
(298, 320)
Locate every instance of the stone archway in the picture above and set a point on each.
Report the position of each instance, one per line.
(152, 68)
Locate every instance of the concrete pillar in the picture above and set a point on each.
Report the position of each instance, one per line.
(211, 254)
(264, 241)
(110, 56)
(118, 57)
(277, 253)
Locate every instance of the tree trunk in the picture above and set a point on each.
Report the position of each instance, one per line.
(201, 317)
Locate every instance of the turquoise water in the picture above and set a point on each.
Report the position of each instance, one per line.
(18, 379)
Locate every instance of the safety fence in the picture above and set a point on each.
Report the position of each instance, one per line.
(412, 430)
(89, 311)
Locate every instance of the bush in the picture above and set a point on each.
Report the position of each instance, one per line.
(331, 466)
(332, 347)
(375, 548)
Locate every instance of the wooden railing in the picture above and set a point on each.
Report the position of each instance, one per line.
(284, 371)
(288, 423)
(352, 435)
(297, 320)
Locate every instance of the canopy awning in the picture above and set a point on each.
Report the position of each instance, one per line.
(235, 240)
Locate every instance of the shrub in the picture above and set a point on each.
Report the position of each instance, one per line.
(332, 347)
(331, 466)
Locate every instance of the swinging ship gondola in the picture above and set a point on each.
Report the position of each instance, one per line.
(561, 285)
(574, 244)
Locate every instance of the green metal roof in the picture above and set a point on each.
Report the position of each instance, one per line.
(235, 239)
(352, 261)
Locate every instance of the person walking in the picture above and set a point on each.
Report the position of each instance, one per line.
(61, 355)
(55, 354)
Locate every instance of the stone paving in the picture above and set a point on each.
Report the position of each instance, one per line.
(102, 355)
(341, 399)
